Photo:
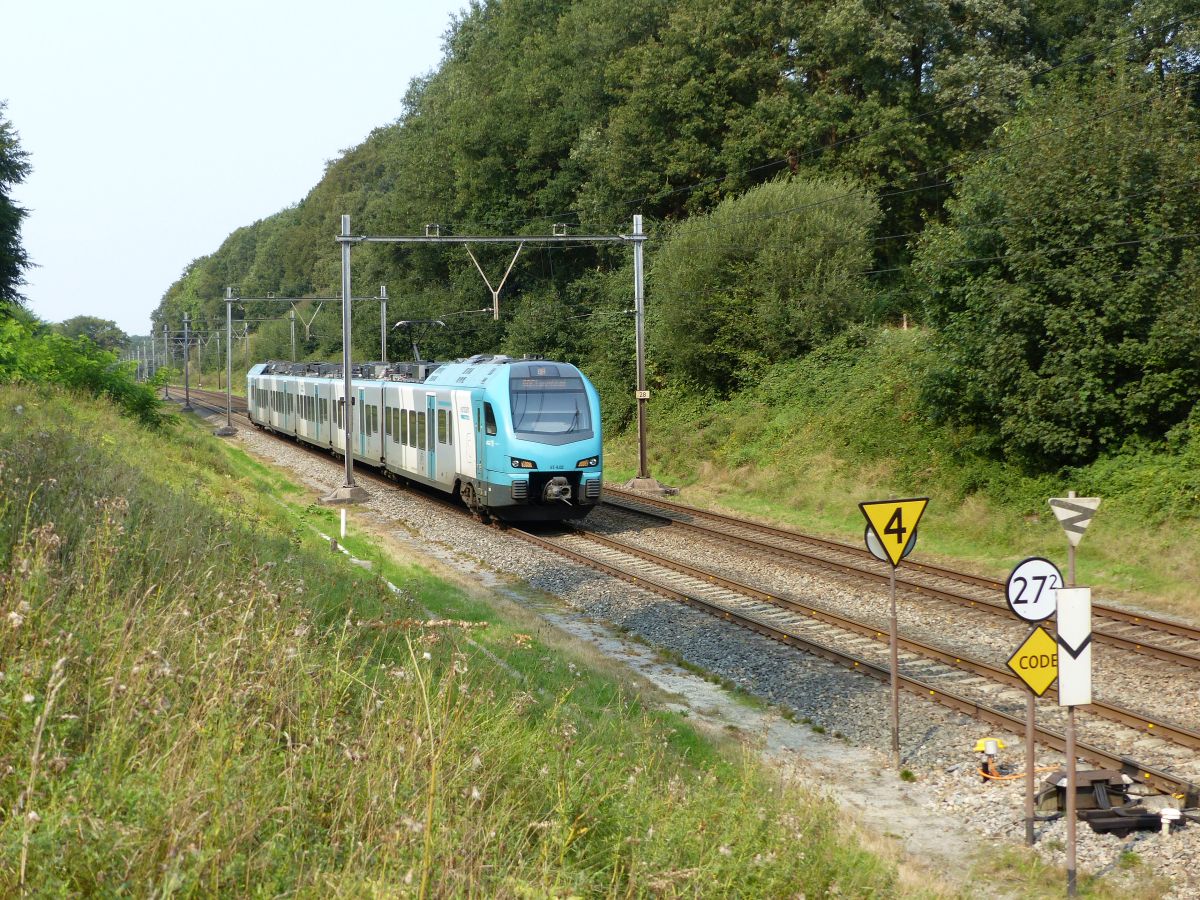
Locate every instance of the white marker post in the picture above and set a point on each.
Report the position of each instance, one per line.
(1074, 689)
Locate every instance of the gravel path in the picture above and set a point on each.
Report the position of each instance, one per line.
(936, 743)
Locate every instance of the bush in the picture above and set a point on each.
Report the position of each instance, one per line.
(1064, 284)
(765, 277)
(31, 354)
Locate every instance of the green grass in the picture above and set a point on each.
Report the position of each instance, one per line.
(816, 437)
(198, 697)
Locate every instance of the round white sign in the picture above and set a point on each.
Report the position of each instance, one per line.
(1032, 589)
(877, 550)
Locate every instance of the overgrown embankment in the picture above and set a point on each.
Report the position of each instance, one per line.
(196, 696)
(811, 439)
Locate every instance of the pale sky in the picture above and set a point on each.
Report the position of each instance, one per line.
(156, 128)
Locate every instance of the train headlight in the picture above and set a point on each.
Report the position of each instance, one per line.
(588, 463)
(519, 463)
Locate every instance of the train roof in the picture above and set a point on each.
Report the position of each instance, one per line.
(441, 373)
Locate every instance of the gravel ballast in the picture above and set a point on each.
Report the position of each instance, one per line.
(937, 744)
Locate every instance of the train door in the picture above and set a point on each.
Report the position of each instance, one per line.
(431, 435)
(337, 409)
(480, 440)
(464, 434)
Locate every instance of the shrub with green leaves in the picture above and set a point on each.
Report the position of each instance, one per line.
(766, 277)
(1063, 285)
(34, 355)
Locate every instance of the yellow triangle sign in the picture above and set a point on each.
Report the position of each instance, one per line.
(894, 523)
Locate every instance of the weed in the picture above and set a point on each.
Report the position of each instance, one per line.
(199, 698)
(907, 775)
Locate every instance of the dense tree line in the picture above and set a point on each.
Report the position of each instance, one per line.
(801, 167)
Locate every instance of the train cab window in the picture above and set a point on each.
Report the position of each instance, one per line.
(441, 426)
(420, 431)
(489, 419)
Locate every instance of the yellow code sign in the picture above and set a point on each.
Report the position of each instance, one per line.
(1036, 661)
(894, 523)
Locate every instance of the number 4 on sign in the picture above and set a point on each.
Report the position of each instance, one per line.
(894, 523)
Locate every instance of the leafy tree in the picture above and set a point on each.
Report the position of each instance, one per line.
(34, 354)
(763, 278)
(1063, 286)
(14, 166)
(104, 333)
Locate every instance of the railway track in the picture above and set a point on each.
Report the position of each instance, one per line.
(788, 622)
(1145, 635)
(966, 685)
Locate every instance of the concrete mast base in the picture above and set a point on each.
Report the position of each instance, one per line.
(345, 495)
(650, 486)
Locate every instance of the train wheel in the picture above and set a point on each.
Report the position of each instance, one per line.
(470, 498)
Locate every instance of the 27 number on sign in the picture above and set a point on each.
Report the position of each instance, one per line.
(1032, 589)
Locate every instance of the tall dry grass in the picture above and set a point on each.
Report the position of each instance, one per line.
(194, 699)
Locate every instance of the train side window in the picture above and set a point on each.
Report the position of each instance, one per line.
(397, 418)
(450, 427)
(412, 428)
(489, 419)
(420, 431)
(374, 420)
(387, 421)
(404, 427)
(441, 426)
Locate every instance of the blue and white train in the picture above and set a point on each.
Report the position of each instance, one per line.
(517, 439)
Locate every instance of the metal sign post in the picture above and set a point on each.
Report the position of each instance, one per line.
(187, 354)
(639, 336)
(166, 363)
(893, 524)
(1074, 689)
(1074, 626)
(1032, 594)
(349, 492)
(227, 429)
(383, 327)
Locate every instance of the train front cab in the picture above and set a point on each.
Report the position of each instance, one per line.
(538, 443)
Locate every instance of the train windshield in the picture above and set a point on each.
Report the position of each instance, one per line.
(548, 406)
